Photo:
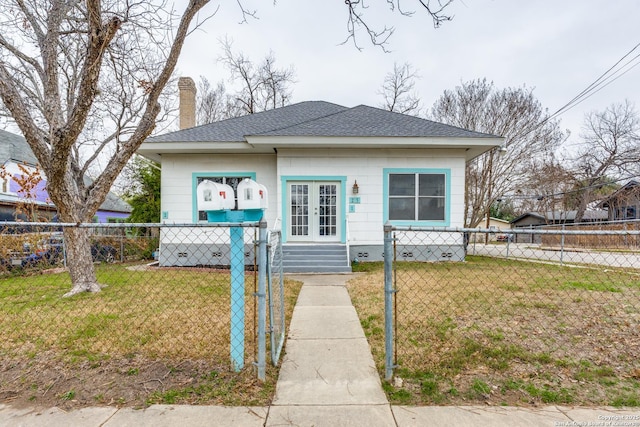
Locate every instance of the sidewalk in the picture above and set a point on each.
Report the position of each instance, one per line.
(328, 378)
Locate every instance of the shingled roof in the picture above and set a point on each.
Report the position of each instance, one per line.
(14, 147)
(235, 129)
(318, 118)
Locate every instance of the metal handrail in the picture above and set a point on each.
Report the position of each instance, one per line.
(346, 222)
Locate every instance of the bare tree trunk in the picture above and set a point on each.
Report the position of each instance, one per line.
(585, 198)
(80, 261)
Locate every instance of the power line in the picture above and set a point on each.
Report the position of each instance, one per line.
(599, 83)
(594, 87)
(565, 193)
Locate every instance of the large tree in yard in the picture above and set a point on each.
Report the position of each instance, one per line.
(83, 81)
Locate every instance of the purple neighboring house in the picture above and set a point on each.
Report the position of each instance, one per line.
(15, 151)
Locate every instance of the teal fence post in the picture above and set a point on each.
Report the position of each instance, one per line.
(388, 301)
(262, 300)
(237, 297)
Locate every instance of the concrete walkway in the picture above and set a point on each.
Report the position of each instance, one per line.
(327, 378)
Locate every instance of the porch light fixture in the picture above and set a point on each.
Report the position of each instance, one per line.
(355, 189)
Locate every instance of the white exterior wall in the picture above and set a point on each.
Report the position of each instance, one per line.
(365, 225)
(177, 180)
(366, 166)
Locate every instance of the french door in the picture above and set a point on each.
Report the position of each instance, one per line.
(313, 211)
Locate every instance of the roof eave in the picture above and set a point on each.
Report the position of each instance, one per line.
(473, 146)
(155, 150)
(256, 144)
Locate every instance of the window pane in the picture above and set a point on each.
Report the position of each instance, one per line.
(216, 179)
(402, 185)
(431, 185)
(425, 203)
(233, 181)
(431, 209)
(402, 208)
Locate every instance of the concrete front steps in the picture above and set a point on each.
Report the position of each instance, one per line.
(315, 258)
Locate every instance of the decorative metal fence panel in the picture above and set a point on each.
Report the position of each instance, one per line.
(506, 311)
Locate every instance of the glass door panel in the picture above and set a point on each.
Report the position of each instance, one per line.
(327, 210)
(299, 209)
(314, 211)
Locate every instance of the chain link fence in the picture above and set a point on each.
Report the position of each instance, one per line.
(166, 293)
(557, 321)
(621, 240)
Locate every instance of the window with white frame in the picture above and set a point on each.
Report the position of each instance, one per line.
(417, 197)
(232, 181)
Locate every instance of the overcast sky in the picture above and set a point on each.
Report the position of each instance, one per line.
(558, 48)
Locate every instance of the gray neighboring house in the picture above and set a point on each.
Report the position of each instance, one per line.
(535, 220)
(14, 147)
(15, 152)
(334, 176)
(624, 204)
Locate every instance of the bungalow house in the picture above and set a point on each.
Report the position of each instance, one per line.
(334, 175)
(17, 159)
(624, 204)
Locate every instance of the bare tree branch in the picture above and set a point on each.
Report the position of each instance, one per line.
(86, 77)
(260, 87)
(478, 106)
(246, 13)
(611, 148)
(398, 90)
(357, 20)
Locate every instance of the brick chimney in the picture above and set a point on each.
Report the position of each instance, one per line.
(187, 90)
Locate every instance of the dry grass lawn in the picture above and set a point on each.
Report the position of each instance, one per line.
(152, 335)
(507, 332)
